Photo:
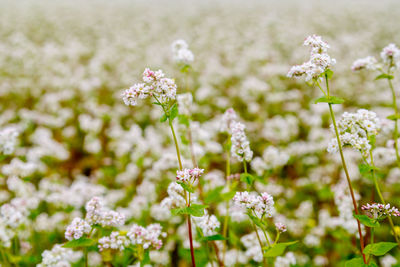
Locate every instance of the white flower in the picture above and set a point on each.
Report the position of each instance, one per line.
(114, 241)
(391, 55)
(8, 140)
(181, 52)
(77, 229)
(240, 148)
(368, 63)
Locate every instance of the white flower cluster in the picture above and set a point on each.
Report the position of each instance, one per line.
(391, 55)
(8, 140)
(319, 61)
(207, 223)
(285, 261)
(175, 197)
(58, 257)
(77, 229)
(240, 148)
(262, 205)
(114, 241)
(380, 211)
(368, 63)
(227, 118)
(163, 89)
(147, 237)
(96, 213)
(189, 175)
(354, 130)
(181, 52)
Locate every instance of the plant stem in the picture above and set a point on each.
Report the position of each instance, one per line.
(394, 105)
(86, 256)
(187, 199)
(346, 171)
(378, 190)
(226, 220)
(259, 241)
(396, 130)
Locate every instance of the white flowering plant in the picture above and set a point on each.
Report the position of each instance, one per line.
(214, 157)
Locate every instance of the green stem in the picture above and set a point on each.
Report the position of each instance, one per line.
(187, 199)
(259, 241)
(346, 171)
(378, 190)
(178, 153)
(226, 219)
(396, 130)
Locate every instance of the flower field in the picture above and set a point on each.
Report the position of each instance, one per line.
(199, 133)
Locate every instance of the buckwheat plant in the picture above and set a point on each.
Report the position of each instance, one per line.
(163, 91)
(316, 70)
(386, 67)
(375, 213)
(102, 226)
(258, 209)
(359, 131)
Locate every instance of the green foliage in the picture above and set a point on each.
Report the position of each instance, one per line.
(195, 210)
(384, 76)
(329, 100)
(278, 249)
(367, 221)
(379, 249)
(79, 243)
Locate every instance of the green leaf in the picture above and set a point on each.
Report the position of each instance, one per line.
(379, 249)
(278, 249)
(384, 76)
(367, 221)
(329, 74)
(247, 178)
(81, 242)
(197, 210)
(329, 100)
(163, 118)
(228, 195)
(173, 112)
(213, 238)
(186, 187)
(393, 117)
(358, 262)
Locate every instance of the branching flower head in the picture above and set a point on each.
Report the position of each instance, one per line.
(77, 229)
(380, 211)
(319, 61)
(155, 85)
(227, 119)
(355, 129)
(391, 55)
(181, 52)
(147, 237)
(262, 205)
(240, 148)
(368, 63)
(189, 175)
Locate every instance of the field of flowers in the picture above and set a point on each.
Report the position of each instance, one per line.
(191, 133)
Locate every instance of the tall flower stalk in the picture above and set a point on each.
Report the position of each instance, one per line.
(163, 91)
(317, 69)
